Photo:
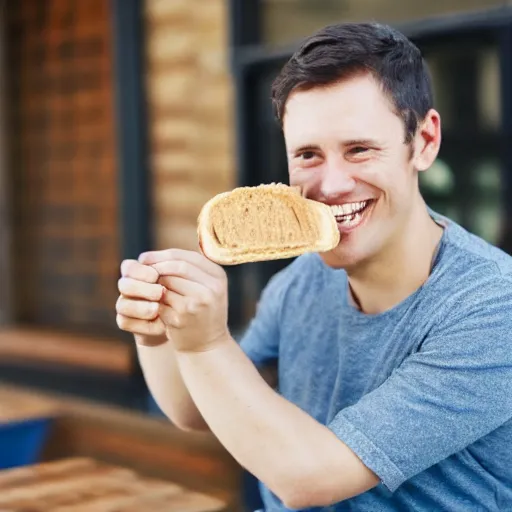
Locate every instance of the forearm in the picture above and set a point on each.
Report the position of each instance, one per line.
(162, 374)
(276, 441)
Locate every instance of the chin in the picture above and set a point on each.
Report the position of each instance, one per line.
(340, 258)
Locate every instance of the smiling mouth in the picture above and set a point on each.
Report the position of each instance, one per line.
(350, 214)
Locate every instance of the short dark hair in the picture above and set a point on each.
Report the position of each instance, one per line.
(343, 50)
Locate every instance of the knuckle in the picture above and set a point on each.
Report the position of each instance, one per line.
(159, 268)
(120, 302)
(168, 253)
(193, 306)
(208, 298)
(151, 275)
(124, 285)
(218, 289)
(178, 321)
(151, 310)
(157, 292)
(182, 268)
(127, 267)
(165, 281)
(179, 308)
(122, 322)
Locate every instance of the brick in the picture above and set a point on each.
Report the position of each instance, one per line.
(190, 98)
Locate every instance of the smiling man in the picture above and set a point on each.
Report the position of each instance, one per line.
(394, 349)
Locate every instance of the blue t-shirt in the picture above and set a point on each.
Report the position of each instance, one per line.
(422, 393)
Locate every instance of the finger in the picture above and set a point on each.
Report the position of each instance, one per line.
(183, 286)
(138, 271)
(173, 299)
(138, 309)
(186, 270)
(142, 327)
(193, 257)
(174, 316)
(176, 308)
(139, 290)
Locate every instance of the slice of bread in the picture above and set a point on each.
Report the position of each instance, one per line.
(266, 222)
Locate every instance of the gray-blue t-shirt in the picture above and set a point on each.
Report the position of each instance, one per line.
(422, 393)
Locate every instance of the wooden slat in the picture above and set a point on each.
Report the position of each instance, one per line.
(26, 475)
(60, 488)
(24, 406)
(32, 345)
(85, 485)
(153, 447)
(115, 501)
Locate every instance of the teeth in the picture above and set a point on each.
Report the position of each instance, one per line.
(352, 220)
(348, 208)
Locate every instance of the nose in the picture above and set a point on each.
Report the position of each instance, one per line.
(336, 180)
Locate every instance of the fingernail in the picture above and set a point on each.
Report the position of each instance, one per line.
(142, 257)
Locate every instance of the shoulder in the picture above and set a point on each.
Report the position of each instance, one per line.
(473, 254)
(474, 277)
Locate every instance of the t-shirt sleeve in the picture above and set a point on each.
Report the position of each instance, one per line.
(456, 389)
(260, 341)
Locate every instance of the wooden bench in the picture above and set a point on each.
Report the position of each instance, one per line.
(148, 446)
(85, 485)
(15, 407)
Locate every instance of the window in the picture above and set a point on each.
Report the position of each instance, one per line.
(285, 21)
(466, 182)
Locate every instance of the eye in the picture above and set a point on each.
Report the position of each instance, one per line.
(308, 158)
(357, 150)
(307, 155)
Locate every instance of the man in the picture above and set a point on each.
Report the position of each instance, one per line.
(394, 349)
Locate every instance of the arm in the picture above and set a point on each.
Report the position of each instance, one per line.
(138, 309)
(158, 361)
(299, 459)
(164, 380)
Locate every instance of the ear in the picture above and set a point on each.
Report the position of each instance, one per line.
(427, 141)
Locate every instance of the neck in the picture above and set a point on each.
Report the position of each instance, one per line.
(401, 268)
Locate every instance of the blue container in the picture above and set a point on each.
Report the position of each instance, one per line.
(21, 442)
(152, 407)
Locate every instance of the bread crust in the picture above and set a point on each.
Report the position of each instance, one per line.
(211, 248)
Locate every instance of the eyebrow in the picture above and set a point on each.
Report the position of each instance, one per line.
(360, 142)
(350, 142)
(306, 147)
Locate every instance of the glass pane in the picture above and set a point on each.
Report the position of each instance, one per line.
(466, 82)
(286, 21)
(466, 181)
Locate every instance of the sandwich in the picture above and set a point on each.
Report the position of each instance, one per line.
(266, 222)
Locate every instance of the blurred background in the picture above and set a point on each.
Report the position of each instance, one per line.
(119, 119)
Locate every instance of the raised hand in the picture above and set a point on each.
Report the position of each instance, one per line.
(195, 299)
(139, 305)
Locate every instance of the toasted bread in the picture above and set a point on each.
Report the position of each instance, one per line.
(266, 222)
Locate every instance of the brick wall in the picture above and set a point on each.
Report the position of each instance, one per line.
(190, 108)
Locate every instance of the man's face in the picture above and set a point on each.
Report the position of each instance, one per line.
(346, 149)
